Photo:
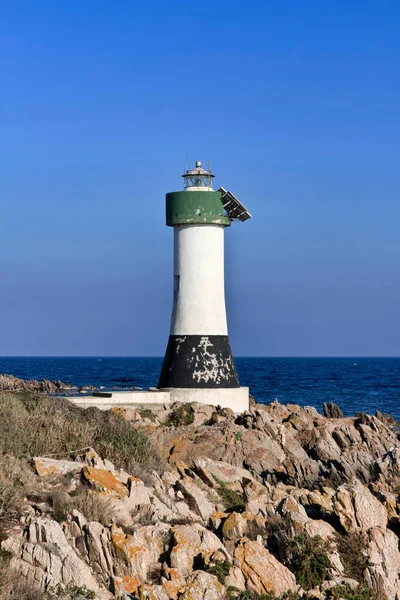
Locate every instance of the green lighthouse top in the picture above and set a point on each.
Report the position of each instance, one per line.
(197, 203)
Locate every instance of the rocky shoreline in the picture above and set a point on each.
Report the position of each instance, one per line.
(9, 383)
(278, 502)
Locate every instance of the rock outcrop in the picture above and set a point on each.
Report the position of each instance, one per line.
(242, 502)
(9, 383)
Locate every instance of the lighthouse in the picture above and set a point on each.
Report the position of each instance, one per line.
(198, 365)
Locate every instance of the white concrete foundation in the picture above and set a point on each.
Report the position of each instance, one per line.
(235, 398)
(123, 399)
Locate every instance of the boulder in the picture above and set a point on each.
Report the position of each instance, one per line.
(104, 481)
(234, 527)
(262, 571)
(42, 555)
(190, 541)
(46, 467)
(196, 498)
(357, 507)
(204, 586)
(383, 554)
(332, 411)
(141, 550)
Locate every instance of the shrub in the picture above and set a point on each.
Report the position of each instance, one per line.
(238, 436)
(116, 440)
(279, 534)
(362, 592)
(255, 529)
(182, 415)
(146, 413)
(235, 594)
(221, 570)
(233, 501)
(352, 549)
(309, 560)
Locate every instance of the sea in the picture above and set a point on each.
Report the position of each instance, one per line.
(355, 384)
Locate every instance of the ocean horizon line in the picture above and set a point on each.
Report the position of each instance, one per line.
(236, 356)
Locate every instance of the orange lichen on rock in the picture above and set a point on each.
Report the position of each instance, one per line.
(262, 571)
(126, 585)
(45, 467)
(44, 470)
(175, 583)
(126, 544)
(104, 481)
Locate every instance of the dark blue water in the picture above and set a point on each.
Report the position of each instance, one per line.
(356, 384)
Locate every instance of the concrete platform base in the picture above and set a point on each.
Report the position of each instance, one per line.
(235, 398)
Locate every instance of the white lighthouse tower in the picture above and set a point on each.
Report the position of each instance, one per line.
(198, 364)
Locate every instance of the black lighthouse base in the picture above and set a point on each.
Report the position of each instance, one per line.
(198, 361)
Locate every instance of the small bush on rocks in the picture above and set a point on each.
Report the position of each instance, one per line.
(233, 501)
(352, 549)
(306, 557)
(221, 570)
(235, 594)
(147, 413)
(95, 507)
(279, 533)
(238, 436)
(180, 416)
(255, 529)
(309, 560)
(345, 592)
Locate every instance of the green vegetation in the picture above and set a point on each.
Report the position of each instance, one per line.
(146, 413)
(309, 560)
(352, 549)
(235, 594)
(238, 436)
(307, 557)
(182, 415)
(220, 569)
(362, 592)
(233, 501)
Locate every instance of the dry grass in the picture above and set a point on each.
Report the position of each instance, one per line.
(93, 506)
(35, 425)
(15, 479)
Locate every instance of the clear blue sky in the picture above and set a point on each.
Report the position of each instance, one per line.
(296, 105)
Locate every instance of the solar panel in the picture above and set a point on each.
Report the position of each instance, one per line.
(234, 208)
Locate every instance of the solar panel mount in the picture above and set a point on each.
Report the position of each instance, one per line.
(236, 211)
